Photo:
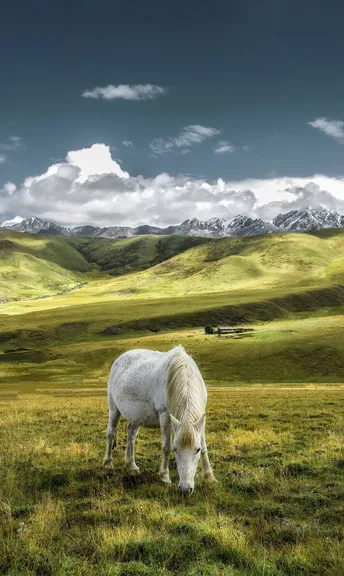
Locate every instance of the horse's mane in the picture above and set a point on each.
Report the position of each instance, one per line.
(184, 389)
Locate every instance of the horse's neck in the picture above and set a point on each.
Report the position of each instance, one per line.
(183, 388)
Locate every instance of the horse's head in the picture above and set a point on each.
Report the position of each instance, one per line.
(187, 445)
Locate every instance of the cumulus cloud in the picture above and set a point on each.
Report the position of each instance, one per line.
(125, 92)
(333, 128)
(89, 187)
(189, 136)
(223, 147)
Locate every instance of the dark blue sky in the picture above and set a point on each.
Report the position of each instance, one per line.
(258, 71)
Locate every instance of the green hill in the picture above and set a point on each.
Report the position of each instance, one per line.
(33, 266)
(155, 267)
(288, 278)
(243, 264)
(122, 256)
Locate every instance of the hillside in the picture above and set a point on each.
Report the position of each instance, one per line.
(285, 285)
(155, 267)
(33, 266)
(122, 256)
(278, 261)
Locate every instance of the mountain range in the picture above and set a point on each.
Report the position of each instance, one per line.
(306, 220)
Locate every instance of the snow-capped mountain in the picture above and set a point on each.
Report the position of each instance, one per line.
(294, 221)
(115, 232)
(11, 223)
(34, 226)
(308, 220)
(244, 226)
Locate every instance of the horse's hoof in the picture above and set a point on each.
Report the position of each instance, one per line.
(211, 478)
(107, 463)
(165, 479)
(133, 469)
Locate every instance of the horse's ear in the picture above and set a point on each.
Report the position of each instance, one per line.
(175, 423)
(198, 425)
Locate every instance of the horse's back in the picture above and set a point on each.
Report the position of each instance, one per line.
(130, 362)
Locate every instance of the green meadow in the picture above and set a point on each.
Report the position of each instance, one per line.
(275, 418)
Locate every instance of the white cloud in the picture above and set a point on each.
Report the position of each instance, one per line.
(3, 158)
(223, 147)
(89, 187)
(125, 92)
(333, 128)
(94, 161)
(127, 143)
(189, 135)
(13, 143)
(9, 188)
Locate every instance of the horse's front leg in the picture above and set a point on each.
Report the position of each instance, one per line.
(165, 427)
(207, 470)
(130, 452)
(114, 416)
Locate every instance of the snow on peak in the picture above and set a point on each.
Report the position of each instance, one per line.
(13, 222)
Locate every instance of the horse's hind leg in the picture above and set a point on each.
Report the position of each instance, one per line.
(130, 454)
(114, 416)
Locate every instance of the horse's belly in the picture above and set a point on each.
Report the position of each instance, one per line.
(141, 413)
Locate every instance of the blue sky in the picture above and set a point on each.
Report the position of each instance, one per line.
(237, 90)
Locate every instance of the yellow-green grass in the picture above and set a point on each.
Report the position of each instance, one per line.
(25, 276)
(274, 428)
(233, 264)
(278, 508)
(35, 266)
(51, 248)
(155, 267)
(121, 256)
(299, 350)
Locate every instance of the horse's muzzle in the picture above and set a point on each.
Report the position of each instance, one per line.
(185, 491)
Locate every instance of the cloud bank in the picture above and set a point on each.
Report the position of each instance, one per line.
(89, 187)
(125, 92)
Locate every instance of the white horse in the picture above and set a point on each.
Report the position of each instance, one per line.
(166, 390)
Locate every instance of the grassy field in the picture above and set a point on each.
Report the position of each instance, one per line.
(275, 412)
(278, 454)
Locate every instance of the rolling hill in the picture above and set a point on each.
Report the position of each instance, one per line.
(278, 261)
(154, 290)
(163, 266)
(123, 256)
(32, 266)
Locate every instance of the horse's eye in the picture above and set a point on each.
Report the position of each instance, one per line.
(175, 449)
(198, 450)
